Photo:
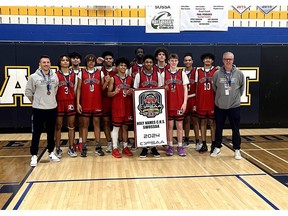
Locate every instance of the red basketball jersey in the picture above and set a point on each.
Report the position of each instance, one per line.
(205, 93)
(91, 91)
(66, 86)
(122, 103)
(135, 68)
(175, 94)
(148, 81)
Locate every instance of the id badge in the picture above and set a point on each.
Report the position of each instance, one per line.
(227, 89)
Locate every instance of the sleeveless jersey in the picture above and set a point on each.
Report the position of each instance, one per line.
(175, 94)
(205, 93)
(161, 69)
(66, 86)
(192, 85)
(121, 104)
(91, 91)
(148, 81)
(135, 68)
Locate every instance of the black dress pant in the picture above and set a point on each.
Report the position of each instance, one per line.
(233, 115)
(43, 118)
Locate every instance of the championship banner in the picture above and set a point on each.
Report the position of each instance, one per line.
(150, 117)
(204, 18)
(162, 18)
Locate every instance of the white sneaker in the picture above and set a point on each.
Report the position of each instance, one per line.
(198, 146)
(216, 152)
(53, 157)
(109, 147)
(33, 161)
(71, 152)
(238, 154)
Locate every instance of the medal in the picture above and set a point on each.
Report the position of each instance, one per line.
(91, 88)
(124, 92)
(48, 92)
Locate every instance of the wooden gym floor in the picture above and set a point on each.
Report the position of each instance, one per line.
(196, 182)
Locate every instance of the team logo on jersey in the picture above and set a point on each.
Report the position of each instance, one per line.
(162, 20)
(150, 104)
(71, 107)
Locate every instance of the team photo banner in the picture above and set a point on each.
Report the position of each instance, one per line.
(204, 18)
(162, 19)
(150, 122)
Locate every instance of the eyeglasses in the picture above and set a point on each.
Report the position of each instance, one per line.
(228, 59)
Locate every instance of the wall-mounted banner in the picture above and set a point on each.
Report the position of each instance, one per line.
(162, 19)
(150, 128)
(204, 18)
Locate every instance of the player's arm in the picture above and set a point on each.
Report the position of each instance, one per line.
(78, 94)
(110, 92)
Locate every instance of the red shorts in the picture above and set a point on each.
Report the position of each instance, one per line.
(175, 115)
(66, 107)
(203, 114)
(106, 107)
(89, 113)
(119, 121)
(191, 107)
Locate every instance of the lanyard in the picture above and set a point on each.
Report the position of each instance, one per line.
(228, 77)
(173, 80)
(67, 82)
(205, 73)
(148, 78)
(48, 82)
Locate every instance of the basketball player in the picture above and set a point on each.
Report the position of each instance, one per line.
(65, 104)
(161, 55)
(191, 103)
(148, 78)
(120, 89)
(175, 81)
(75, 59)
(108, 72)
(205, 98)
(137, 62)
(89, 101)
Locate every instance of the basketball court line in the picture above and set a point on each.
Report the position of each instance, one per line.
(285, 161)
(241, 150)
(238, 176)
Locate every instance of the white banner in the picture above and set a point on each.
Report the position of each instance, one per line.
(204, 18)
(150, 128)
(162, 19)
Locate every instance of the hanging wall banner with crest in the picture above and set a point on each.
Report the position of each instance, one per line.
(150, 114)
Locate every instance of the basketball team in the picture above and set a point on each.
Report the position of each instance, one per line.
(101, 91)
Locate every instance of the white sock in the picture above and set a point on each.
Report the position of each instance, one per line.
(114, 135)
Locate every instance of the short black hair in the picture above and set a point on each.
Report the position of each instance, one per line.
(135, 51)
(188, 54)
(107, 53)
(75, 55)
(122, 60)
(44, 56)
(148, 57)
(207, 55)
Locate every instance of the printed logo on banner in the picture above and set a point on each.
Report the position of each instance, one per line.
(162, 20)
(241, 8)
(150, 104)
(266, 9)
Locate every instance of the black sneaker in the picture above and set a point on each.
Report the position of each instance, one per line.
(99, 151)
(203, 149)
(84, 152)
(155, 152)
(143, 153)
